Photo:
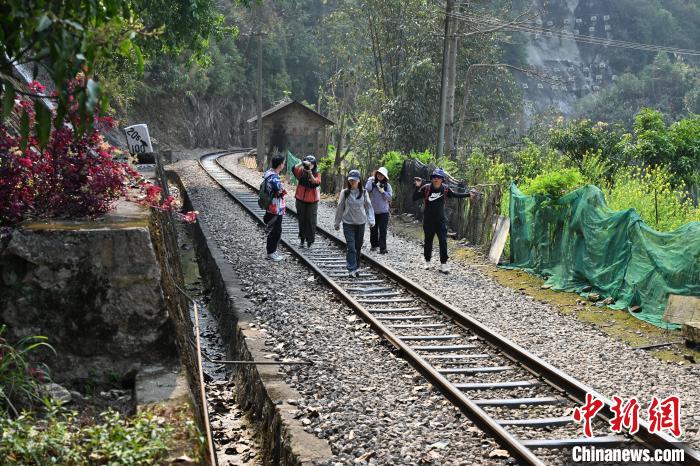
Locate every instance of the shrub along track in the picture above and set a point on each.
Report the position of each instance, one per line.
(513, 395)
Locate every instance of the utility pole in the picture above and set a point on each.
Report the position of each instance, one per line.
(443, 86)
(261, 156)
(451, 88)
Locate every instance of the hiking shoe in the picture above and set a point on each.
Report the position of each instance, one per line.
(383, 251)
(444, 268)
(309, 245)
(352, 274)
(275, 257)
(373, 249)
(427, 265)
(301, 243)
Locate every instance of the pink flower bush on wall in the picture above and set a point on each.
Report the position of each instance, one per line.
(72, 176)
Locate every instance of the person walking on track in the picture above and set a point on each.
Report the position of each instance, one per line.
(307, 196)
(272, 194)
(434, 216)
(380, 194)
(354, 210)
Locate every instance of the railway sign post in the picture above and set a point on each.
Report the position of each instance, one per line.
(139, 142)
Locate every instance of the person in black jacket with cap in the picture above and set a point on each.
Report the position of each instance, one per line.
(434, 217)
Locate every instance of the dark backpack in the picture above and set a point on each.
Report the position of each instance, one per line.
(264, 196)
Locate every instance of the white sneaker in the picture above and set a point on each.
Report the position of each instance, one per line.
(444, 268)
(275, 257)
(427, 265)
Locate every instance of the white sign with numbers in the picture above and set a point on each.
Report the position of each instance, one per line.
(138, 140)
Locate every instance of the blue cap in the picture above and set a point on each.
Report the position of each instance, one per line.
(354, 175)
(438, 173)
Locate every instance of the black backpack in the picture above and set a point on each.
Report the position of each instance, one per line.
(264, 196)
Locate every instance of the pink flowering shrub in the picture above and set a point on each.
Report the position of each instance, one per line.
(70, 177)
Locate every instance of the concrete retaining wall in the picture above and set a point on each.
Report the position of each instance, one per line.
(91, 287)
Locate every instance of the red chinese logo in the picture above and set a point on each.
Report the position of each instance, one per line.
(587, 412)
(626, 415)
(664, 415)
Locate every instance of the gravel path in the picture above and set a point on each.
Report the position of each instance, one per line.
(371, 406)
(578, 348)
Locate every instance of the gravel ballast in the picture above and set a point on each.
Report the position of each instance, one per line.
(371, 406)
(579, 349)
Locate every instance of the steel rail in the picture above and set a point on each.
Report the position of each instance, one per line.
(213, 457)
(558, 380)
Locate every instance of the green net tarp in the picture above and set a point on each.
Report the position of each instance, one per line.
(289, 164)
(577, 241)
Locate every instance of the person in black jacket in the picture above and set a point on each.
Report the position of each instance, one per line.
(434, 217)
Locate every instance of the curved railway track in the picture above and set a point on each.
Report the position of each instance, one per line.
(523, 402)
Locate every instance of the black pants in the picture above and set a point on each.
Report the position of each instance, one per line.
(354, 236)
(273, 228)
(308, 213)
(377, 233)
(432, 228)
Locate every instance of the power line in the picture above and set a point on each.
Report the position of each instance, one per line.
(582, 38)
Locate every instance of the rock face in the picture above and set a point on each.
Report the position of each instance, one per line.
(185, 121)
(92, 288)
(569, 70)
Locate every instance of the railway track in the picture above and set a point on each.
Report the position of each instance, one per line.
(523, 402)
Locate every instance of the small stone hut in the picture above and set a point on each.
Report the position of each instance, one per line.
(292, 126)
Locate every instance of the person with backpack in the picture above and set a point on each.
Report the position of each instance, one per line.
(307, 196)
(354, 211)
(434, 216)
(271, 199)
(380, 194)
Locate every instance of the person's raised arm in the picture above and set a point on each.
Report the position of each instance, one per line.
(455, 194)
(388, 192)
(339, 210)
(370, 184)
(315, 180)
(369, 210)
(297, 170)
(417, 194)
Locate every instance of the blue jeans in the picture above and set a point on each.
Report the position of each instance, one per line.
(354, 236)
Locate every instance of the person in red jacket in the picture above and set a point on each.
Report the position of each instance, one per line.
(307, 197)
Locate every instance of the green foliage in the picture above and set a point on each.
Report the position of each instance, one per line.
(19, 380)
(554, 184)
(393, 161)
(59, 439)
(669, 86)
(67, 38)
(111, 39)
(652, 193)
(579, 137)
(532, 160)
(685, 139)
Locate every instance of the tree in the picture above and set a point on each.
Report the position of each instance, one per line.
(70, 38)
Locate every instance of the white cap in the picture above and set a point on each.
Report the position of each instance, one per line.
(384, 172)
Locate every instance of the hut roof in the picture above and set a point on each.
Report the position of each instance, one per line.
(286, 103)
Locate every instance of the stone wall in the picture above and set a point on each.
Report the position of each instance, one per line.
(93, 288)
